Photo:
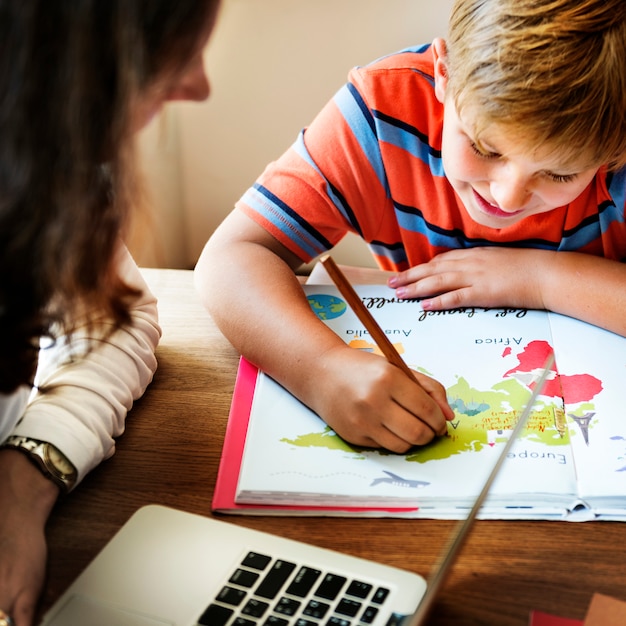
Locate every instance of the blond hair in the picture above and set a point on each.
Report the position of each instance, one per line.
(553, 69)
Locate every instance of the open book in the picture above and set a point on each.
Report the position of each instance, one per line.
(569, 463)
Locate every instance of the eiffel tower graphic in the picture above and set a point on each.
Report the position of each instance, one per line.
(583, 423)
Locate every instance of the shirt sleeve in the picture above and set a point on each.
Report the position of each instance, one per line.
(87, 393)
(331, 181)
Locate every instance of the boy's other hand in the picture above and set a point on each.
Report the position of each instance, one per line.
(485, 277)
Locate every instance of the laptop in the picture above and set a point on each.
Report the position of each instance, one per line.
(167, 567)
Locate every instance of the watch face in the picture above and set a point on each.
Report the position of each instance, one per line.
(60, 461)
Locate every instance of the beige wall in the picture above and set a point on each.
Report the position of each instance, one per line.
(272, 65)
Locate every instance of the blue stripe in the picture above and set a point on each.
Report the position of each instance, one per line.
(359, 118)
(584, 233)
(609, 212)
(346, 210)
(395, 253)
(286, 220)
(614, 211)
(616, 183)
(410, 139)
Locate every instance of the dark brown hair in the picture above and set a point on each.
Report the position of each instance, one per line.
(69, 73)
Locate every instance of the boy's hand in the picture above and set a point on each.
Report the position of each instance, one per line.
(486, 277)
(371, 403)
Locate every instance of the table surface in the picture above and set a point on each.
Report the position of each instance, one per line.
(170, 453)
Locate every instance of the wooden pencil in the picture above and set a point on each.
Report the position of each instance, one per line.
(366, 318)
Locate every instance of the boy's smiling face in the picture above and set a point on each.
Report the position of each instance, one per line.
(499, 179)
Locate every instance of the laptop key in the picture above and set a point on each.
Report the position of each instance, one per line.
(369, 615)
(255, 560)
(338, 621)
(243, 578)
(303, 581)
(316, 609)
(274, 620)
(359, 589)
(255, 608)
(242, 621)
(330, 587)
(275, 579)
(215, 615)
(380, 596)
(230, 595)
(287, 606)
(348, 607)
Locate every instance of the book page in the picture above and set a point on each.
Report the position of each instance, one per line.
(488, 360)
(592, 365)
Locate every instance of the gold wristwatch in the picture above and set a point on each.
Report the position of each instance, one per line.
(48, 458)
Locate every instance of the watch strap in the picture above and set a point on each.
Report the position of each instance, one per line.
(39, 453)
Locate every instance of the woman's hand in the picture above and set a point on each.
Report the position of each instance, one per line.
(26, 499)
(371, 403)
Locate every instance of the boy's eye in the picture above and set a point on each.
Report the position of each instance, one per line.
(561, 178)
(557, 178)
(481, 153)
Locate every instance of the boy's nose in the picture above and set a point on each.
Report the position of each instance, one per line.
(511, 194)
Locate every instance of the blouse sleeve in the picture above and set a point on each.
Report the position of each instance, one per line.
(85, 395)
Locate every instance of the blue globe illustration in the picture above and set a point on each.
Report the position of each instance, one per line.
(327, 307)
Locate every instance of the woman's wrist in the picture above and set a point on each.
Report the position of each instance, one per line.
(24, 488)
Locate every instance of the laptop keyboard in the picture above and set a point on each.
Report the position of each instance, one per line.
(273, 592)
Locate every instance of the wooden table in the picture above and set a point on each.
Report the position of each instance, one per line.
(170, 453)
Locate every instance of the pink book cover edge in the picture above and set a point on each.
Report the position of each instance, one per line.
(539, 618)
(232, 454)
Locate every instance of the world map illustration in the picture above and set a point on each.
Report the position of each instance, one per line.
(327, 307)
(485, 417)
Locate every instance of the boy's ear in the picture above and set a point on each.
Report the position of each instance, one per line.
(440, 51)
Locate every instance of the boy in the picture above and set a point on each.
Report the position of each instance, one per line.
(485, 170)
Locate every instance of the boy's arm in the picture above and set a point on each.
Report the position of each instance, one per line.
(246, 280)
(587, 287)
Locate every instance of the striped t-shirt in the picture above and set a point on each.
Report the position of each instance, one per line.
(371, 163)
